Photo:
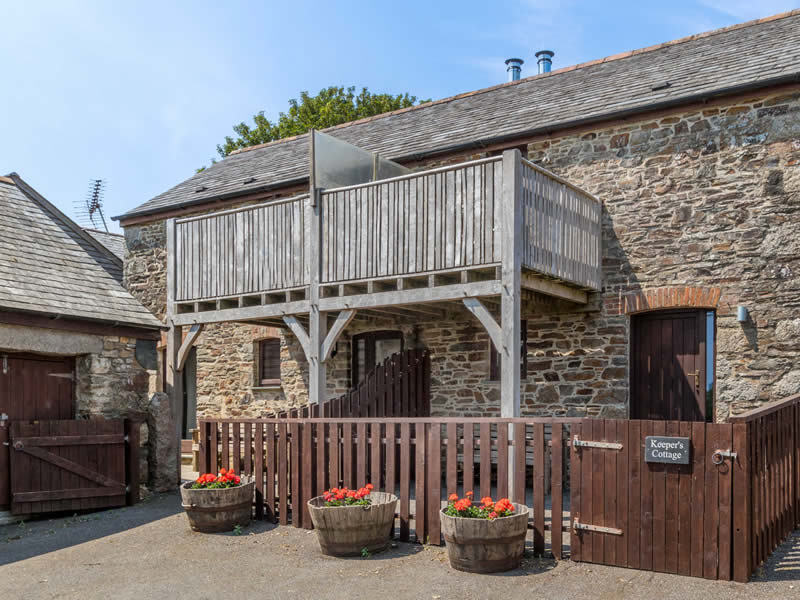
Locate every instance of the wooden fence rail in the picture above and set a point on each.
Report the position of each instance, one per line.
(773, 435)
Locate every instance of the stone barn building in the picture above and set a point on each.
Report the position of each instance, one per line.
(689, 153)
(73, 342)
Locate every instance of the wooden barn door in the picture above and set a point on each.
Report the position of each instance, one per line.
(31, 388)
(668, 365)
(67, 465)
(670, 518)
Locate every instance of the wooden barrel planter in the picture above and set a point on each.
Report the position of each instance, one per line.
(348, 530)
(212, 511)
(484, 546)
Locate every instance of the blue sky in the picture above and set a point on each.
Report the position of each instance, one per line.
(140, 93)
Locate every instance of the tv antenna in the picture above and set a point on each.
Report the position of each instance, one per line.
(90, 210)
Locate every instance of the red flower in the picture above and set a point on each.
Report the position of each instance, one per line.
(453, 497)
(469, 494)
(222, 471)
(237, 480)
(487, 501)
(370, 487)
(492, 515)
(463, 504)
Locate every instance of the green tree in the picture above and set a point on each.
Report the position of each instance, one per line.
(332, 106)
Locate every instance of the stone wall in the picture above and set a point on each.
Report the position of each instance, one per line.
(707, 197)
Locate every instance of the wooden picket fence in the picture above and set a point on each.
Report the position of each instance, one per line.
(717, 517)
(398, 387)
(773, 490)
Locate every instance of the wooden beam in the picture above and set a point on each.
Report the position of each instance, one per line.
(175, 389)
(510, 305)
(342, 321)
(49, 321)
(247, 313)
(412, 296)
(186, 346)
(481, 313)
(299, 332)
(530, 281)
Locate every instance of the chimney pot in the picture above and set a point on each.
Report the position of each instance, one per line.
(514, 68)
(545, 60)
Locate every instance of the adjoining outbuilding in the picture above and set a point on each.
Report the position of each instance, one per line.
(74, 344)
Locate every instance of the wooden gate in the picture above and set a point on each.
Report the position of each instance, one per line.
(73, 465)
(687, 519)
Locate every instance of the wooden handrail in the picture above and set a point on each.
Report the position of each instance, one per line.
(762, 411)
(411, 420)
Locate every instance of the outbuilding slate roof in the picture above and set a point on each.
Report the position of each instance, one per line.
(737, 58)
(49, 265)
(114, 242)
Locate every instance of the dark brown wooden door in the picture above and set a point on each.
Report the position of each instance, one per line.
(31, 388)
(668, 365)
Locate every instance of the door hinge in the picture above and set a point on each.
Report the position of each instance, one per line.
(579, 443)
(70, 376)
(578, 526)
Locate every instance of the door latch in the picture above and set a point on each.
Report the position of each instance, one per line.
(719, 456)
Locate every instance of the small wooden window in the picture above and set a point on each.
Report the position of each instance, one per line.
(495, 358)
(269, 368)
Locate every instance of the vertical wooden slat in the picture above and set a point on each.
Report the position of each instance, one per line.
(742, 566)
(347, 455)
(725, 494)
(283, 473)
(434, 478)
(213, 452)
(610, 496)
(519, 448)
(405, 479)
(307, 455)
(646, 521)
(556, 478)
(248, 449)
(622, 492)
(452, 459)
(659, 506)
(685, 510)
(391, 459)
(635, 462)
(486, 459)
(576, 490)
(598, 491)
(265, 451)
(673, 504)
(334, 474)
(375, 463)
(295, 472)
(539, 451)
(698, 433)
(361, 455)
(237, 447)
(226, 446)
(711, 516)
(420, 516)
(468, 433)
(502, 460)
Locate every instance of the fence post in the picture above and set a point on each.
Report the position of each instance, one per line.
(132, 475)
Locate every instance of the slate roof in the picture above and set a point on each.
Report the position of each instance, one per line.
(737, 58)
(115, 242)
(49, 265)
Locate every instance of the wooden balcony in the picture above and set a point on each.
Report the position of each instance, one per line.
(439, 235)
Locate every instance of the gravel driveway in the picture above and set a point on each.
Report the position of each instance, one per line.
(148, 552)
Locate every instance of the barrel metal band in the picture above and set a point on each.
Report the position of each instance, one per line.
(210, 509)
(483, 542)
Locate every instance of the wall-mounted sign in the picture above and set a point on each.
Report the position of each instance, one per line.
(668, 450)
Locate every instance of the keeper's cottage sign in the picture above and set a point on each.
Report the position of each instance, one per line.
(669, 450)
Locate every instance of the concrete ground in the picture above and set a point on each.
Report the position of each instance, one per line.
(148, 551)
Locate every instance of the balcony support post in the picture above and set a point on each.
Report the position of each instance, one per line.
(317, 319)
(510, 294)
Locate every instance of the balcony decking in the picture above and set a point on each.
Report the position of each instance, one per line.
(426, 237)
